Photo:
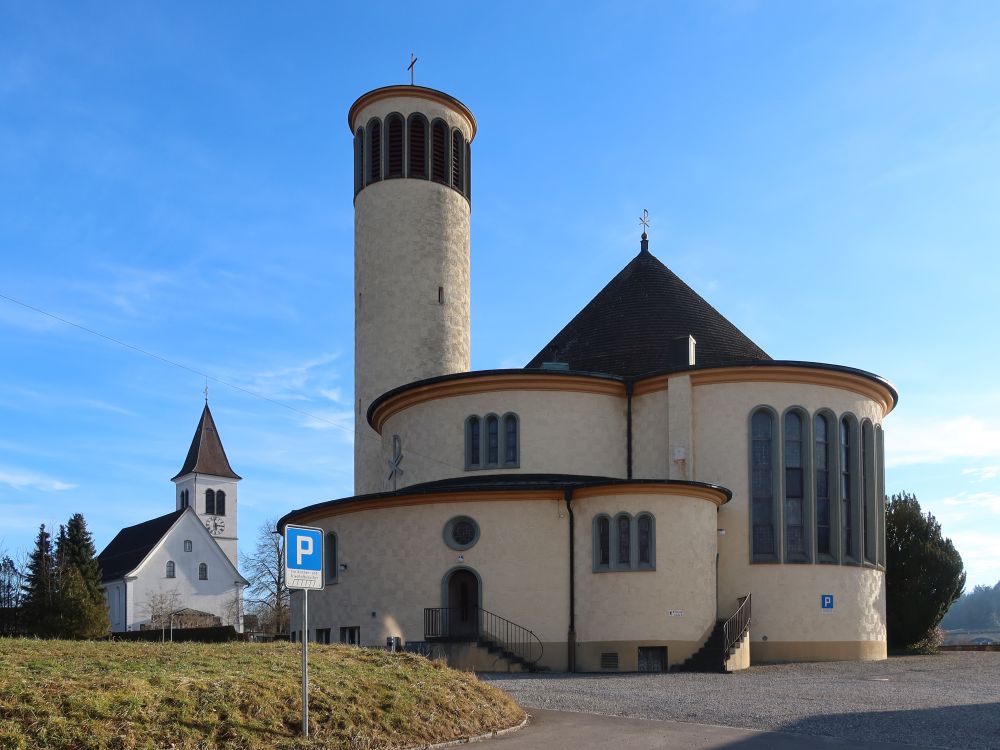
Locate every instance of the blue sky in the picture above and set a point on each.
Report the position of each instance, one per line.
(178, 176)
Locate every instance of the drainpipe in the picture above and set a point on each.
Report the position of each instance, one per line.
(628, 430)
(571, 635)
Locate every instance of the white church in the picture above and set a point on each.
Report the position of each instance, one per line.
(181, 568)
(651, 491)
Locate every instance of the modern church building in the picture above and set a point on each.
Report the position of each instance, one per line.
(651, 489)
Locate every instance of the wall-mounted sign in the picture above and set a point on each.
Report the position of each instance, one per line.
(677, 613)
(826, 602)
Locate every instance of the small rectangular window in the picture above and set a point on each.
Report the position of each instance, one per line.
(323, 635)
(351, 635)
(440, 295)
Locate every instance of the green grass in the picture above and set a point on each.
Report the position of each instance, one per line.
(75, 694)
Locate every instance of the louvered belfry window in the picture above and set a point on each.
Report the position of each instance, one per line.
(394, 128)
(418, 147)
(374, 151)
(457, 157)
(359, 160)
(439, 151)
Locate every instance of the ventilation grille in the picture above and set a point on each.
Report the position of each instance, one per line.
(609, 660)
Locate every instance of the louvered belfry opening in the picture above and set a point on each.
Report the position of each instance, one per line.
(418, 147)
(394, 146)
(359, 160)
(458, 154)
(439, 151)
(375, 151)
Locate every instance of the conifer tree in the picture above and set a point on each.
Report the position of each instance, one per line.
(80, 552)
(79, 609)
(40, 587)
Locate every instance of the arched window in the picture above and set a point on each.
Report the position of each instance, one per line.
(847, 492)
(374, 151)
(188, 546)
(359, 160)
(394, 145)
(868, 490)
(762, 493)
(644, 532)
(439, 151)
(823, 462)
(171, 569)
(602, 542)
(210, 502)
(795, 505)
(457, 159)
(880, 494)
(623, 540)
(417, 144)
(473, 443)
(220, 503)
(202, 571)
(331, 557)
(511, 456)
(492, 440)
(468, 171)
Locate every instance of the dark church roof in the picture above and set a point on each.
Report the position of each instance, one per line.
(629, 327)
(131, 545)
(206, 454)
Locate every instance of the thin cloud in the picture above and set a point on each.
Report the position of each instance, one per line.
(21, 479)
(985, 500)
(963, 438)
(983, 473)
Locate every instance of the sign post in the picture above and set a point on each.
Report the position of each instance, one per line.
(304, 570)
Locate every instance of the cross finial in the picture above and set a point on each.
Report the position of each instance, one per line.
(206, 390)
(413, 61)
(644, 220)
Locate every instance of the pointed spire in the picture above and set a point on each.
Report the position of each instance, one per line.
(206, 454)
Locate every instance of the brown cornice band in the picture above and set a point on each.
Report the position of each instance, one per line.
(416, 92)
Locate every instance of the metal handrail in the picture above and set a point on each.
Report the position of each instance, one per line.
(513, 638)
(736, 626)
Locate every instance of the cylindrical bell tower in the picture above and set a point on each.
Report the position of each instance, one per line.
(412, 193)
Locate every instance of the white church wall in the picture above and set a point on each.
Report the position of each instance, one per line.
(198, 484)
(649, 436)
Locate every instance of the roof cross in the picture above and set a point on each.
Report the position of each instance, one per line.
(644, 220)
(413, 61)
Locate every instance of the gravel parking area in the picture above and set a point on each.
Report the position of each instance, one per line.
(951, 700)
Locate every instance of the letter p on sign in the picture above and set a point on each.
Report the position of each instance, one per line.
(303, 547)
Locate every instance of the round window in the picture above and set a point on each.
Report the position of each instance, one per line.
(461, 532)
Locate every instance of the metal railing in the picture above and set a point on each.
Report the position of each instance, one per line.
(458, 624)
(735, 627)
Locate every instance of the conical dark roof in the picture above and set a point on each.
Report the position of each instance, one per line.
(206, 454)
(627, 329)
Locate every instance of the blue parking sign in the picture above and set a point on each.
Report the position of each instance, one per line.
(826, 601)
(303, 557)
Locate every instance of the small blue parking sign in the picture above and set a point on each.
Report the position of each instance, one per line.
(826, 601)
(303, 557)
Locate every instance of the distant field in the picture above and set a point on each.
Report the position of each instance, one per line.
(115, 695)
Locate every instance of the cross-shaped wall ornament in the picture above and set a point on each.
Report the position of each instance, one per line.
(395, 470)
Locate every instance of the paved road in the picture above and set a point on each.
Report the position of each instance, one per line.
(564, 730)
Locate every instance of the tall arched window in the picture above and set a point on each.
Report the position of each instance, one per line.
(331, 557)
(511, 457)
(644, 540)
(795, 510)
(374, 151)
(868, 490)
(623, 540)
(762, 493)
(417, 143)
(210, 502)
(220, 503)
(880, 494)
(847, 470)
(468, 171)
(202, 572)
(171, 569)
(457, 159)
(823, 458)
(394, 145)
(359, 160)
(473, 443)
(439, 151)
(602, 542)
(492, 440)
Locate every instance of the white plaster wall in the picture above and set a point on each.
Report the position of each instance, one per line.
(635, 605)
(561, 432)
(785, 596)
(397, 559)
(649, 436)
(114, 597)
(216, 595)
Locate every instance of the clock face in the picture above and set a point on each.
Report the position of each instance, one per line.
(215, 525)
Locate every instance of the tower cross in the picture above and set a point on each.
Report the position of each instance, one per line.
(644, 220)
(413, 61)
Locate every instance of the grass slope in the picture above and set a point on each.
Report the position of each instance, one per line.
(68, 694)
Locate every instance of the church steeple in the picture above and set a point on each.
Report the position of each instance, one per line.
(206, 454)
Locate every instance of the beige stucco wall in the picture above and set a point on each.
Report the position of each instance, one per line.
(560, 433)
(786, 597)
(411, 237)
(650, 459)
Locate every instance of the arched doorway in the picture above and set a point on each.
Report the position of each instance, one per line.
(463, 605)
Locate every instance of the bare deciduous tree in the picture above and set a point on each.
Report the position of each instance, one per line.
(267, 594)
